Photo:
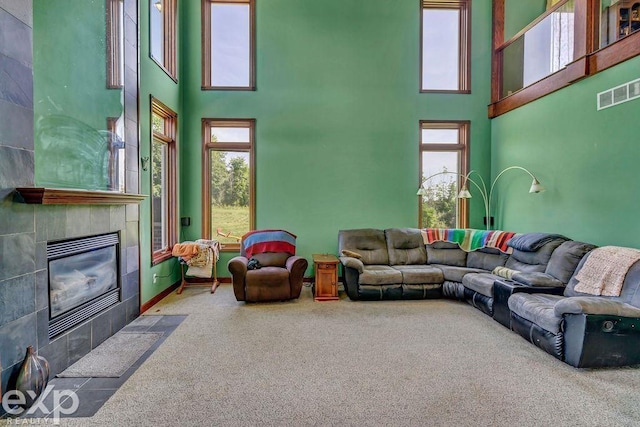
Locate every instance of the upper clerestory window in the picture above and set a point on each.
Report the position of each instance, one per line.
(228, 53)
(444, 54)
(162, 34)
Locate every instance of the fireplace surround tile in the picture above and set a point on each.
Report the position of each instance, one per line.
(19, 250)
(42, 290)
(18, 89)
(17, 38)
(101, 328)
(130, 285)
(79, 342)
(41, 256)
(100, 219)
(78, 221)
(133, 264)
(119, 317)
(17, 298)
(16, 217)
(117, 218)
(132, 309)
(16, 167)
(51, 223)
(43, 327)
(132, 234)
(57, 354)
(15, 337)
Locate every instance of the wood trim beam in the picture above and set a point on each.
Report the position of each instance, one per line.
(61, 196)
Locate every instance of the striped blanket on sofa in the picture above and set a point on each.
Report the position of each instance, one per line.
(261, 241)
(470, 239)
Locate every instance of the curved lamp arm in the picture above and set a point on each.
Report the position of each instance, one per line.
(464, 192)
(536, 187)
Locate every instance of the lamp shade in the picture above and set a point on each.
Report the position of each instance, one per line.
(464, 193)
(536, 187)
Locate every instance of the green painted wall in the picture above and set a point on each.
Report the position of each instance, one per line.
(71, 101)
(154, 81)
(337, 109)
(587, 159)
(520, 13)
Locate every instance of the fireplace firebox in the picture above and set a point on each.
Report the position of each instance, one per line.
(83, 279)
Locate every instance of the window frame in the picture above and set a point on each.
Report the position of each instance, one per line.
(206, 45)
(115, 43)
(169, 41)
(589, 59)
(207, 146)
(462, 147)
(168, 138)
(464, 57)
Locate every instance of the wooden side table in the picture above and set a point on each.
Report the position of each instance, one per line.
(326, 280)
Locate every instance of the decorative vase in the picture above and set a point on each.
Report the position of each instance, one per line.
(32, 377)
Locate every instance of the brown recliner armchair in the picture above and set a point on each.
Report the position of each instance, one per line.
(280, 273)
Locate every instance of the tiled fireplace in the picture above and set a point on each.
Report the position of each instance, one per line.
(28, 231)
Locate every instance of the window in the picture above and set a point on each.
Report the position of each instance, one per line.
(115, 44)
(569, 41)
(546, 47)
(618, 20)
(162, 34)
(163, 181)
(443, 148)
(228, 54)
(229, 195)
(444, 56)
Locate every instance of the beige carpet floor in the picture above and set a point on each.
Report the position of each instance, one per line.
(390, 363)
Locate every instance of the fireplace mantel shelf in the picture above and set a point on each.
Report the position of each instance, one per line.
(67, 196)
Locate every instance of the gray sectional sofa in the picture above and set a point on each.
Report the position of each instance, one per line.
(532, 294)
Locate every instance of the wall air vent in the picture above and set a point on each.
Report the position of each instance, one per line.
(619, 94)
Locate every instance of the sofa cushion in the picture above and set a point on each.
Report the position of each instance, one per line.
(405, 246)
(533, 261)
(565, 259)
(486, 259)
(538, 309)
(446, 253)
(482, 283)
(370, 243)
(380, 275)
(419, 274)
(272, 259)
(455, 274)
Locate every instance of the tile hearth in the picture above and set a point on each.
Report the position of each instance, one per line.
(92, 393)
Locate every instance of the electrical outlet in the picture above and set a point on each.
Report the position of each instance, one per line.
(155, 278)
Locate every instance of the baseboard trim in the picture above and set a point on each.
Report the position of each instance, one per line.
(153, 301)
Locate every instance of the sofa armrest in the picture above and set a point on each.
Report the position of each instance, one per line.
(537, 279)
(354, 263)
(238, 268)
(297, 266)
(595, 305)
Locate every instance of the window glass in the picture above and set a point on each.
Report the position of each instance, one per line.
(443, 153)
(163, 181)
(157, 30)
(162, 34)
(228, 180)
(440, 49)
(159, 194)
(230, 49)
(440, 136)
